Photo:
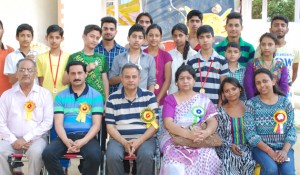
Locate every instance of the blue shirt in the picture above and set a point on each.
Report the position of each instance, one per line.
(67, 102)
(110, 55)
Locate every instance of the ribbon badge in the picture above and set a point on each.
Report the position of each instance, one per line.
(84, 108)
(280, 117)
(148, 117)
(198, 112)
(29, 107)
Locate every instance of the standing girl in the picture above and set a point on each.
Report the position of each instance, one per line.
(181, 53)
(268, 44)
(163, 62)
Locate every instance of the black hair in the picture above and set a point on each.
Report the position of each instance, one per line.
(26, 59)
(276, 89)
(143, 14)
(55, 28)
(154, 26)
(23, 27)
(205, 29)
(280, 17)
(73, 63)
(183, 28)
(194, 13)
(136, 28)
(129, 66)
(108, 19)
(269, 35)
(232, 81)
(90, 28)
(184, 68)
(234, 15)
(1, 24)
(234, 45)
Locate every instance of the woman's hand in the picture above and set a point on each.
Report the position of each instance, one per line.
(201, 135)
(281, 156)
(236, 150)
(272, 154)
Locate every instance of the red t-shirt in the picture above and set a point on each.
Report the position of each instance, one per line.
(4, 78)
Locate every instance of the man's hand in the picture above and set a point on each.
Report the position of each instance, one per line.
(27, 145)
(70, 145)
(18, 144)
(135, 144)
(127, 147)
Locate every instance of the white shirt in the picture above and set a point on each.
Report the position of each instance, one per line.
(11, 60)
(176, 63)
(12, 114)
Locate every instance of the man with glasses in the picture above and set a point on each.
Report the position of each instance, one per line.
(26, 116)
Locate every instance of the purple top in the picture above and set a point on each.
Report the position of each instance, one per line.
(161, 59)
(279, 71)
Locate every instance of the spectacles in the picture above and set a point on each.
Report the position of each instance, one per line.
(30, 70)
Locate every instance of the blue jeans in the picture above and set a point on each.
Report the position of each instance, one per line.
(270, 167)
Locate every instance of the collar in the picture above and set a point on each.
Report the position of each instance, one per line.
(238, 68)
(242, 42)
(213, 55)
(138, 94)
(35, 88)
(142, 53)
(84, 92)
(116, 45)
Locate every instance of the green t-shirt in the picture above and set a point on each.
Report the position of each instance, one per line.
(94, 78)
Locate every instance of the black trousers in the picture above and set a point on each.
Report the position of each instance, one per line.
(91, 152)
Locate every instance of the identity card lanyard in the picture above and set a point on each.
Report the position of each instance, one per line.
(54, 80)
(202, 90)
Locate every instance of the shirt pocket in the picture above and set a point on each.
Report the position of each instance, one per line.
(38, 114)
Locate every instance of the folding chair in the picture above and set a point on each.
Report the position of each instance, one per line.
(14, 157)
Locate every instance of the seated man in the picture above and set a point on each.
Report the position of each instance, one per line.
(77, 120)
(131, 121)
(26, 115)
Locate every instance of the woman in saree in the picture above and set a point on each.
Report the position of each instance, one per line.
(181, 111)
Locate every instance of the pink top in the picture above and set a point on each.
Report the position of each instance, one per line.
(13, 124)
(161, 59)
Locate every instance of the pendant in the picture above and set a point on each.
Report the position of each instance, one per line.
(202, 91)
(156, 86)
(54, 90)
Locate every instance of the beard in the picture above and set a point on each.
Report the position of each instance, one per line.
(280, 36)
(108, 39)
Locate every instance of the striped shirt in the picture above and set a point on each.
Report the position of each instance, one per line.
(67, 102)
(110, 56)
(125, 114)
(247, 50)
(219, 67)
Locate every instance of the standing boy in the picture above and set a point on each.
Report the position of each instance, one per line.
(194, 21)
(4, 51)
(108, 46)
(234, 27)
(51, 64)
(211, 68)
(96, 63)
(135, 55)
(24, 35)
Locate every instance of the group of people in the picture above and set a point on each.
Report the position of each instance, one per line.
(195, 90)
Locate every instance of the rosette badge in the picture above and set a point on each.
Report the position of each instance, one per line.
(280, 117)
(148, 117)
(84, 108)
(29, 107)
(198, 113)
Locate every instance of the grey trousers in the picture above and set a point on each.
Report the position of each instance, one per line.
(115, 154)
(34, 155)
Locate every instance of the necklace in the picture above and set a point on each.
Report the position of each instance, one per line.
(269, 67)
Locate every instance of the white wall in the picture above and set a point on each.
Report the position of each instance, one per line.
(38, 13)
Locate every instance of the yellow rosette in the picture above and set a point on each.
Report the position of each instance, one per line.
(148, 117)
(29, 107)
(84, 108)
(280, 118)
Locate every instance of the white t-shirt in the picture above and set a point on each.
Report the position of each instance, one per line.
(11, 60)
